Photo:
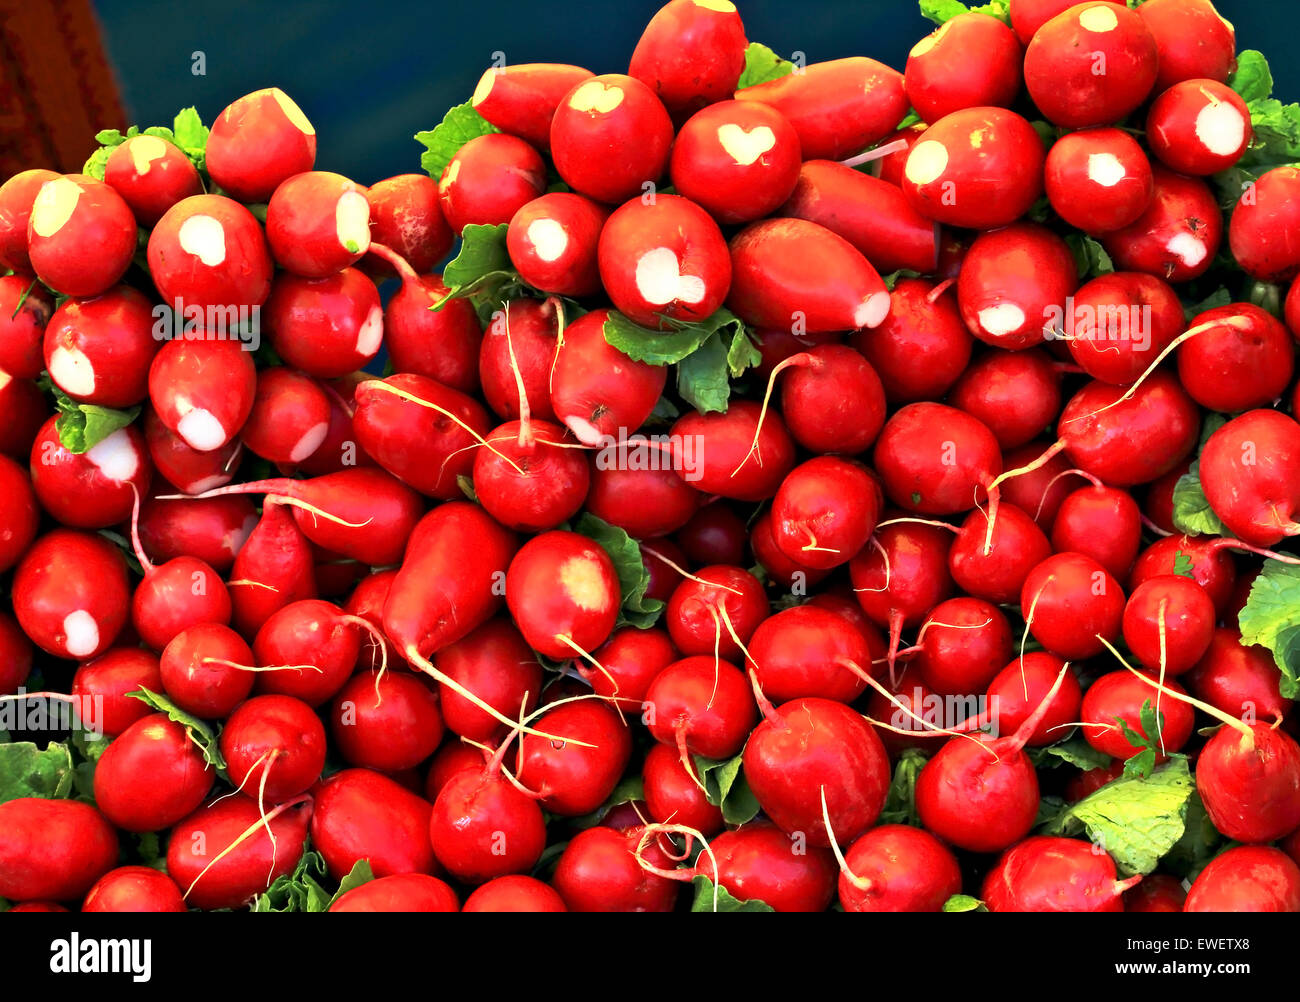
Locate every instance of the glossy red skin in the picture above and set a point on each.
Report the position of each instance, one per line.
(776, 345)
(495, 664)
(25, 408)
(328, 327)
(1104, 523)
(595, 389)
(759, 862)
(691, 54)
(403, 892)
(103, 685)
(1213, 569)
(562, 584)
(574, 271)
(93, 247)
(573, 780)
(672, 795)
(22, 326)
(631, 658)
(1121, 694)
(940, 453)
(76, 489)
(921, 348)
(175, 596)
(274, 747)
(1048, 874)
(1090, 205)
(609, 155)
(966, 642)
(1182, 209)
(312, 632)
(367, 602)
(19, 515)
(302, 228)
(1023, 266)
(1239, 680)
(514, 893)
(970, 61)
(339, 449)
(714, 535)
(488, 180)
(254, 145)
(1192, 41)
(134, 889)
(53, 849)
(405, 216)
(1027, 16)
(241, 279)
(277, 561)
(450, 759)
(1172, 127)
(16, 197)
(835, 402)
(1018, 546)
(1018, 690)
(693, 614)
(1248, 878)
(1088, 782)
(290, 416)
(801, 276)
(1188, 618)
(1108, 331)
(552, 486)
(1074, 598)
(980, 187)
(1015, 394)
(65, 572)
(1251, 785)
(387, 723)
(213, 376)
(361, 814)
(207, 690)
(909, 869)
(829, 503)
(598, 872)
(165, 180)
(151, 776)
(825, 104)
(1250, 476)
(521, 99)
(1158, 506)
(788, 573)
(1230, 370)
(250, 867)
(644, 502)
(705, 704)
(483, 827)
(1133, 442)
(190, 471)
(1158, 892)
(808, 745)
(900, 592)
(532, 326)
(908, 731)
(802, 651)
(724, 462)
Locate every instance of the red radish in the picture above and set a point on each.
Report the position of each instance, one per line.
(1246, 878)
(1062, 60)
(901, 576)
(700, 706)
(290, 416)
(495, 664)
(922, 346)
(825, 511)
(25, 310)
(16, 661)
(405, 216)
(402, 892)
(672, 795)
(1192, 40)
(1249, 474)
(134, 889)
(1017, 546)
(937, 460)
(81, 235)
(274, 747)
(70, 595)
(327, 327)
(714, 535)
(812, 759)
(914, 715)
(208, 254)
(1117, 325)
(19, 517)
(890, 166)
(664, 259)
(361, 814)
(1178, 235)
(1239, 680)
(520, 344)
(226, 852)
(775, 345)
(105, 683)
(259, 141)
(629, 661)
(271, 570)
(963, 644)
(1019, 688)
(1199, 127)
(367, 603)
(208, 670)
(1027, 16)
(53, 849)
(16, 197)
(759, 862)
(1049, 874)
(1098, 179)
(25, 408)
(1240, 357)
(1120, 696)
(1169, 623)
(1212, 565)
(809, 651)
(1248, 775)
(568, 778)
(563, 593)
(742, 454)
(596, 390)
(191, 471)
(91, 489)
(98, 351)
(692, 53)
(977, 168)
(970, 61)
(737, 159)
(318, 223)
(601, 870)
(520, 100)
(385, 721)
(152, 175)
(488, 180)
(1158, 892)
(514, 893)
(1158, 508)
(447, 762)
(1103, 523)
(552, 243)
(608, 113)
(151, 775)
(632, 488)
(1015, 394)
(1012, 281)
(1068, 601)
(794, 274)
(203, 391)
(839, 108)
(789, 573)
(442, 345)
(1260, 231)
(701, 607)
(1088, 782)
(307, 632)
(896, 868)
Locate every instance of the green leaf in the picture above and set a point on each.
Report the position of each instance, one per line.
(358, 875)
(482, 252)
(942, 11)
(762, 65)
(718, 899)
(1199, 844)
(1147, 741)
(466, 485)
(725, 787)
(633, 579)
(81, 427)
(204, 738)
(672, 345)
(631, 788)
(301, 890)
(900, 804)
(190, 134)
(702, 377)
(964, 903)
(1252, 78)
(742, 355)
(1219, 297)
(1271, 618)
(1090, 258)
(26, 771)
(87, 747)
(893, 278)
(461, 124)
(1192, 512)
(1076, 752)
(1183, 565)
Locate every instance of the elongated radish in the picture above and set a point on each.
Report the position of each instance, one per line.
(519, 345)
(922, 346)
(362, 814)
(552, 243)
(151, 776)
(70, 593)
(1192, 40)
(208, 253)
(328, 326)
(212, 530)
(257, 142)
(80, 235)
(691, 53)
(521, 99)
(1051, 874)
(272, 569)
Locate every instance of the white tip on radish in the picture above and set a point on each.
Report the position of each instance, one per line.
(1220, 128)
(116, 457)
(1189, 249)
(745, 145)
(872, 311)
(1105, 169)
(485, 84)
(930, 40)
(449, 175)
(202, 431)
(660, 281)
(352, 222)
(1002, 319)
(721, 6)
(1099, 19)
(54, 205)
(144, 151)
(72, 372)
(596, 96)
(548, 239)
(204, 237)
(5, 379)
(927, 161)
(292, 112)
(370, 335)
(310, 442)
(583, 582)
(584, 431)
(81, 633)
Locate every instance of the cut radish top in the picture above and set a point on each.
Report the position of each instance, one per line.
(745, 145)
(596, 96)
(54, 205)
(204, 237)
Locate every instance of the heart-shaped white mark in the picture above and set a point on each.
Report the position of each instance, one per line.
(745, 146)
(660, 281)
(596, 96)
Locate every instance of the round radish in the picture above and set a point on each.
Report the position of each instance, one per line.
(16, 657)
(1212, 566)
(151, 776)
(970, 61)
(152, 175)
(569, 779)
(179, 594)
(922, 347)
(91, 489)
(1012, 281)
(1177, 236)
(1015, 394)
(1158, 892)
(808, 651)
(514, 893)
(134, 889)
(328, 327)
(259, 141)
(405, 216)
(700, 706)
(563, 593)
(482, 826)
(824, 512)
(402, 892)
(1247, 878)
(1100, 522)
(289, 419)
(1098, 179)
(552, 243)
(1069, 601)
(207, 252)
(702, 605)
(896, 868)
(759, 862)
(963, 644)
(1017, 546)
(714, 535)
(1118, 324)
(1199, 127)
(210, 529)
(318, 223)
(207, 670)
(832, 400)
(1027, 16)
(1019, 688)
(1040, 492)
(1248, 470)
(98, 350)
(16, 197)
(70, 594)
(53, 849)
(81, 235)
(203, 391)
(935, 459)
(1242, 358)
(632, 491)
(1169, 623)
(600, 871)
(441, 344)
(672, 796)
(106, 683)
(306, 632)
(495, 664)
(529, 477)
(25, 408)
(520, 100)
(742, 454)
(1119, 696)
(25, 310)
(1050, 874)
(691, 53)
(1192, 40)
(489, 179)
(19, 515)
(1247, 775)
(387, 722)
(629, 661)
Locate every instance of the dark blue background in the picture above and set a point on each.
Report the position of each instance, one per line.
(370, 75)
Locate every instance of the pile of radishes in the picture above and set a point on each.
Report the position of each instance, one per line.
(962, 588)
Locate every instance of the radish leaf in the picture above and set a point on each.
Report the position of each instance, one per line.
(461, 124)
(762, 65)
(943, 11)
(725, 787)
(81, 427)
(196, 730)
(964, 903)
(629, 789)
(710, 898)
(1271, 618)
(26, 771)
(633, 579)
(702, 377)
(900, 804)
(301, 890)
(1076, 752)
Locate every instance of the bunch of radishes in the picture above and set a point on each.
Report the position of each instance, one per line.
(907, 593)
